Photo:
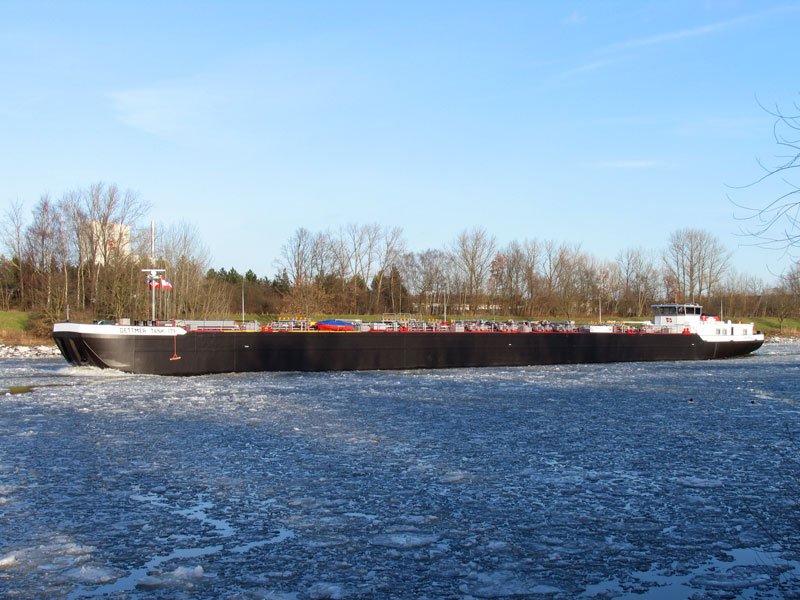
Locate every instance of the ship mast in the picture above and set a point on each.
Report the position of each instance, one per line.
(153, 276)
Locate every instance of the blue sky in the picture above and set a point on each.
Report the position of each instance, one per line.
(608, 124)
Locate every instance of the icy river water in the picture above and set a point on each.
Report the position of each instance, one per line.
(661, 480)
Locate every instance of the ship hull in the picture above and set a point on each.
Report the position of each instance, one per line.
(232, 352)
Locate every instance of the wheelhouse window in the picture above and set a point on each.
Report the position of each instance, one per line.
(669, 310)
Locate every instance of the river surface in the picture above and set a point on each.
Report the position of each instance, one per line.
(660, 480)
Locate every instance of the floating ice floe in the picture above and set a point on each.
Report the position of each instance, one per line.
(181, 577)
(188, 573)
(503, 584)
(698, 482)
(404, 540)
(91, 574)
(455, 477)
(325, 591)
(8, 560)
(732, 581)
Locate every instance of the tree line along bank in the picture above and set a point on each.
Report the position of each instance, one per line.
(86, 251)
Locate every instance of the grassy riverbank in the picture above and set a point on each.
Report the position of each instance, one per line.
(772, 326)
(15, 330)
(15, 327)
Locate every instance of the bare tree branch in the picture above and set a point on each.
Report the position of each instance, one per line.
(774, 224)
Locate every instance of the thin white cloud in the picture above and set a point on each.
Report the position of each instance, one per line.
(627, 164)
(723, 127)
(574, 18)
(674, 36)
(585, 68)
(619, 50)
(163, 111)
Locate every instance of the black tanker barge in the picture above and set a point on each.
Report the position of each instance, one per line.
(679, 332)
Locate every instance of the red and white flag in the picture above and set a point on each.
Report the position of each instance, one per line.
(160, 283)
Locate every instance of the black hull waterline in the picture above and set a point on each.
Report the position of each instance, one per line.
(227, 352)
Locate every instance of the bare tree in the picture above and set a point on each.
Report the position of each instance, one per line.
(322, 258)
(472, 253)
(45, 249)
(560, 277)
(775, 224)
(75, 227)
(309, 259)
(13, 236)
(410, 270)
(361, 242)
(739, 294)
(186, 260)
(786, 295)
(609, 288)
(297, 261)
(513, 274)
(390, 249)
(695, 262)
(639, 281)
(531, 271)
(498, 281)
(587, 285)
(513, 282)
(101, 221)
(552, 258)
(791, 282)
(296, 257)
(427, 277)
(8, 283)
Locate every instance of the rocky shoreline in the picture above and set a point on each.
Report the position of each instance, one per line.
(40, 351)
(781, 339)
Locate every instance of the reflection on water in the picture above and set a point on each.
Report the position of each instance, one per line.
(591, 481)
